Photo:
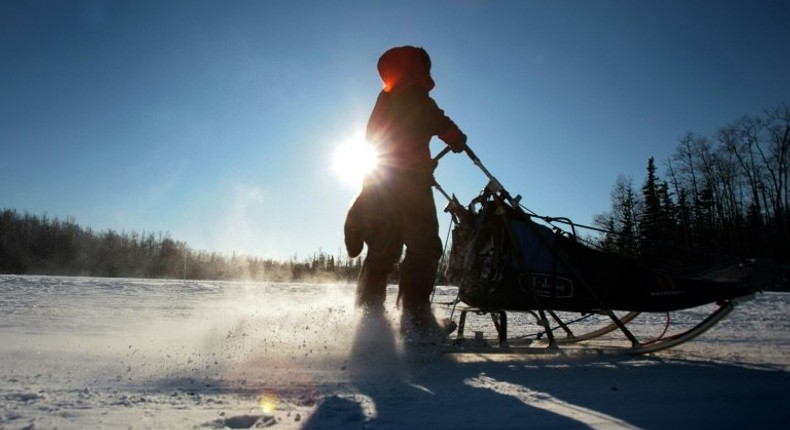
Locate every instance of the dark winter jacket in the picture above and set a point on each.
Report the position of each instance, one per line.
(405, 117)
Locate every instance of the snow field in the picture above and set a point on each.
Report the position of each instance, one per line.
(127, 353)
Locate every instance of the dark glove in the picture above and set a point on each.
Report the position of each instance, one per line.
(459, 143)
(454, 138)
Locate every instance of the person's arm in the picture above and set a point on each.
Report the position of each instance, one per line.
(445, 128)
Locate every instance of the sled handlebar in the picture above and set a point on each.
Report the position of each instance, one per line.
(447, 149)
(441, 154)
(468, 151)
(493, 186)
(474, 159)
(493, 183)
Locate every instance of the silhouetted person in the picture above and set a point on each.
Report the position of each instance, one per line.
(396, 207)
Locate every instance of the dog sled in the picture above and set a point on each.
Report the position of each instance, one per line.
(514, 266)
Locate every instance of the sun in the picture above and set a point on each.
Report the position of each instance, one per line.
(353, 159)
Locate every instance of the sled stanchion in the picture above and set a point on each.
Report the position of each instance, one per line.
(625, 319)
(502, 329)
(499, 318)
(563, 326)
(461, 325)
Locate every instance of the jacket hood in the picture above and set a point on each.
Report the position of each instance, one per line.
(405, 66)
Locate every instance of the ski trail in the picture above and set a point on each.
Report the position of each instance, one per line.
(547, 402)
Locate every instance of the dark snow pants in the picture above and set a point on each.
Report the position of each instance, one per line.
(399, 212)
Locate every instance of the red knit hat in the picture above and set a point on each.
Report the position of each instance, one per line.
(405, 63)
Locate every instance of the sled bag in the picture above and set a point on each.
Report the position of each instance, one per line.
(502, 259)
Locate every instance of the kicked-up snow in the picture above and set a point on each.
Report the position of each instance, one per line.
(127, 353)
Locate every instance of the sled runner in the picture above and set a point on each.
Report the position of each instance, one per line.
(508, 261)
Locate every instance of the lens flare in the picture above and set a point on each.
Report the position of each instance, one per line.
(353, 159)
(268, 402)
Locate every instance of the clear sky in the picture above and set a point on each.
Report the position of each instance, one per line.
(217, 121)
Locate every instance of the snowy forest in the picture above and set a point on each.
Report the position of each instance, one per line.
(720, 198)
(41, 245)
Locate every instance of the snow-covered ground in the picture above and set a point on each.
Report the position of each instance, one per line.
(125, 353)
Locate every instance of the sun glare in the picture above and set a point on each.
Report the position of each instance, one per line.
(268, 402)
(354, 159)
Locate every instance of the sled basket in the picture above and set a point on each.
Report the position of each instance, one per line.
(500, 259)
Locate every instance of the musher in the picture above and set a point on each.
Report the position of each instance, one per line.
(396, 206)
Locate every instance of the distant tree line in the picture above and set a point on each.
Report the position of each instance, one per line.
(32, 244)
(720, 198)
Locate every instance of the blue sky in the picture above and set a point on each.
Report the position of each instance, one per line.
(216, 121)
